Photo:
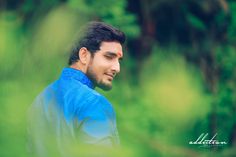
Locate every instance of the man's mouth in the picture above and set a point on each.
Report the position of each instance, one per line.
(111, 76)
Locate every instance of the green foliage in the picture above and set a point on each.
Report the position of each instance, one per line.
(231, 31)
(11, 43)
(226, 97)
(173, 101)
(195, 22)
(112, 12)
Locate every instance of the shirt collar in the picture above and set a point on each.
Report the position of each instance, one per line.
(78, 75)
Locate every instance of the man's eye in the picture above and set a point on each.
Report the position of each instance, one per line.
(109, 57)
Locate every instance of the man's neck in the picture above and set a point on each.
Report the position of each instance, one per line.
(79, 66)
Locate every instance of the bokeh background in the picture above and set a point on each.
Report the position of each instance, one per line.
(177, 81)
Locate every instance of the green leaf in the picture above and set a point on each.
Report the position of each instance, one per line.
(196, 22)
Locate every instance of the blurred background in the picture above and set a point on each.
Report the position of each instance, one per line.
(177, 80)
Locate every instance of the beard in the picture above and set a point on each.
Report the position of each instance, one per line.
(94, 78)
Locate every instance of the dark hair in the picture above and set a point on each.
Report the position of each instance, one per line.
(92, 36)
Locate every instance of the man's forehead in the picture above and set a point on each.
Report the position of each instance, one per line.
(113, 47)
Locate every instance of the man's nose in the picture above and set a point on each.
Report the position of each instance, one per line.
(116, 67)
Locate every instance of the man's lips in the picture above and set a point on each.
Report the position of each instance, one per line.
(110, 75)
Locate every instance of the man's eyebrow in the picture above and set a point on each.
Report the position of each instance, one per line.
(113, 54)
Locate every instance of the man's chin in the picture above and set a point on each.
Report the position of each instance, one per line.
(105, 87)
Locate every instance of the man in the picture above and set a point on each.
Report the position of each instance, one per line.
(70, 109)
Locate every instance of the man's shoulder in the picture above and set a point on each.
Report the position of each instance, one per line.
(77, 93)
(81, 90)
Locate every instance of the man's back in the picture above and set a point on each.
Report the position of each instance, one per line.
(70, 111)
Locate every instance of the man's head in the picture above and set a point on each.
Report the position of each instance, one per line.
(98, 52)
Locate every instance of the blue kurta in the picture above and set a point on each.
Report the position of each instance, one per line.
(71, 109)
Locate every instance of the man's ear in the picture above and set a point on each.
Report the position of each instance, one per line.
(83, 55)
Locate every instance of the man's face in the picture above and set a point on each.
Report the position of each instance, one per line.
(104, 64)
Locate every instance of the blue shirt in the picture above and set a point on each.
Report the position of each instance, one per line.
(73, 110)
